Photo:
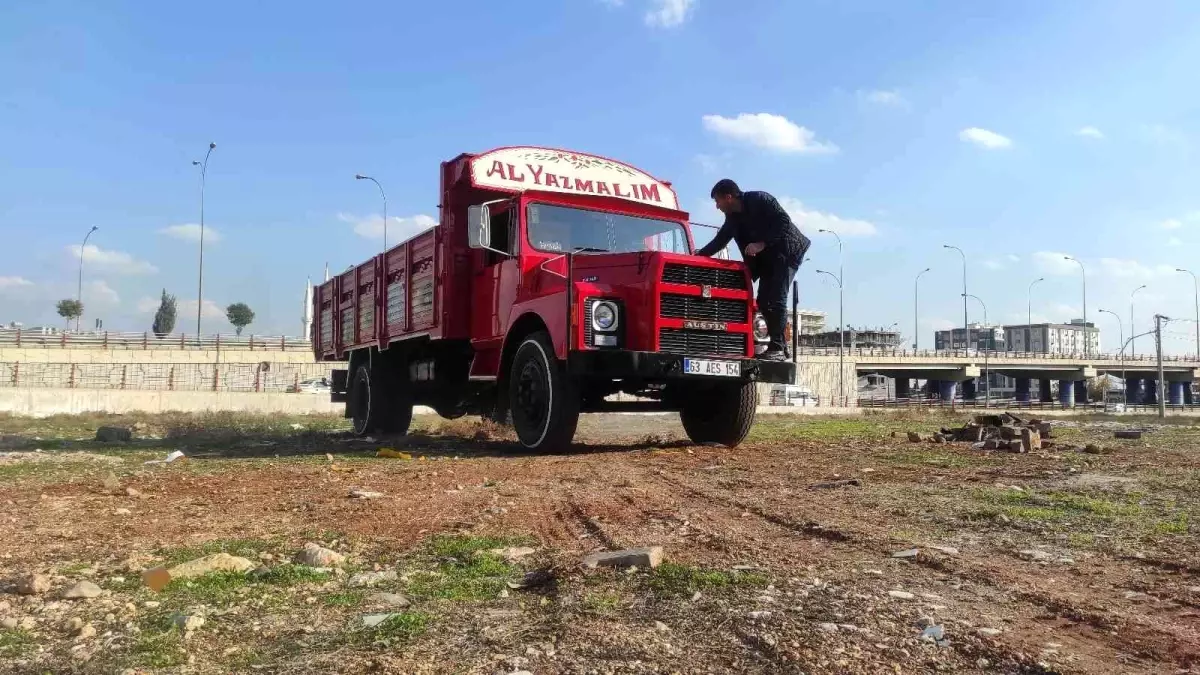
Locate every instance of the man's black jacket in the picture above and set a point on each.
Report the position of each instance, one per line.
(761, 219)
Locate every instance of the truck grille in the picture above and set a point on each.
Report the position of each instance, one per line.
(703, 309)
(675, 273)
(700, 342)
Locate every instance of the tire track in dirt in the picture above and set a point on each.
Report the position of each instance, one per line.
(1131, 637)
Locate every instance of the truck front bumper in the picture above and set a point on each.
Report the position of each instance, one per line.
(659, 366)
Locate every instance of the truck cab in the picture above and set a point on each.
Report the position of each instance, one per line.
(553, 280)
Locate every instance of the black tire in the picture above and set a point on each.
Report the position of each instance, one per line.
(722, 414)
(377, 407)
(543, 403)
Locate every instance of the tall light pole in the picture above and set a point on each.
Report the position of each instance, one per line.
(1087, 342)
(841, 337)
(966, 330)
(1132, 325)
(79, 289)
(916, 313)
(841, 278)
(359, 176)
(987, 391)
(200, 286)
(1196, 289)
(1121, 328)
(1029, 316)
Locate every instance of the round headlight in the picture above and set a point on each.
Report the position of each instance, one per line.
(760, 328)
(604, 316)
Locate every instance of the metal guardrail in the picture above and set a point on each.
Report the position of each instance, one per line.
(977, 354)
(1002, 404)
(257, 377)
(17, 337)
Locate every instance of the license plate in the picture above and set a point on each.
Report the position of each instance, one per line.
(715, 368)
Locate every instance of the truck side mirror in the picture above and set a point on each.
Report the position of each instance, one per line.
(479, 226)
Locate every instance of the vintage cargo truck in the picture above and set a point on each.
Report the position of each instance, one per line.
(553, 280)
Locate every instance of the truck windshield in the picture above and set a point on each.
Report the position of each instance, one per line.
(562, 228)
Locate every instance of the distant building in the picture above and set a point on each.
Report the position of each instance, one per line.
(855, 338)
(976, 336)
(1077, 337)
(811, 321)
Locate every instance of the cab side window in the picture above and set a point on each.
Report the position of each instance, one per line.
(502, 235)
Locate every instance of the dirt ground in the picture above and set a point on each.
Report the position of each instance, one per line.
(779, 556)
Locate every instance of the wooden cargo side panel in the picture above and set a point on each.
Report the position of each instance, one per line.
(323, 333)
(395, 300)
(345, 312)
(364, 303)
(423, 282)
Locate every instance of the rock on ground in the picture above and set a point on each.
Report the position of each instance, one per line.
(81, 591)
(371, 578)
(188, 622)
(647, 557)
(314, 555)
(389, 600)
(217, 562)
(33, 584)
(114, 434)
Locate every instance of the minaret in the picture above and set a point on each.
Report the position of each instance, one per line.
(308, 311)
(326, 271)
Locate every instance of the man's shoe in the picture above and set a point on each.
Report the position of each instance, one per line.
(773, 355)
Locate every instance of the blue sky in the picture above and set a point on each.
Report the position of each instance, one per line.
(1020, 131)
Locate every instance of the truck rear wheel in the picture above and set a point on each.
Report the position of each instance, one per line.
(543, 403)
(722, 414)
(377, 407)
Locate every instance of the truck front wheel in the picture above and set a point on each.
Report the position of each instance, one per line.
(721, 414)
(543, 403)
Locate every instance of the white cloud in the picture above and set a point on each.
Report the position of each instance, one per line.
(811, 221)
(985, 139)
(13, 283)
(707, 163)
(993, 264)
(1090, 132)
(943, 324)
(668, 13)
(98, 292)
(1066, 312)
(1171, 224)
(1119, 267)
(1174, 241)
(884, 97)
(1055, 263)
(117, 262)
(765, 130)
(1002, 262)
(183, 310)
(399, 229)
(191, 232)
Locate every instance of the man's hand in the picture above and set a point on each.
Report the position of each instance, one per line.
(755, 248)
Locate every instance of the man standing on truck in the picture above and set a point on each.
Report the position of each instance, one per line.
(772, 246)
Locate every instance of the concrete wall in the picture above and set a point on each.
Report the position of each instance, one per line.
(53, 355)
(45, 402)
(819, 374)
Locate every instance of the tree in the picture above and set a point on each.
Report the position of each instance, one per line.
(164, 318)
(69, 309)
(240, 315)
(1098, 387)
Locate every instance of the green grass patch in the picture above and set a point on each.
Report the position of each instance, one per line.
(15, 643)
(451, 546)
(465, 569)
(158, 650)
(343, 599)
(671, 579)
(1176, 525)
(398, 629)
(602, 602)
(1048, 507)
(217, 589)
(289, 574)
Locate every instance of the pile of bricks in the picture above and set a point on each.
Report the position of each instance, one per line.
(1005, 432)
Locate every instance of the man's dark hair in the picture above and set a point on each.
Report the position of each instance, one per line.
(726, 187)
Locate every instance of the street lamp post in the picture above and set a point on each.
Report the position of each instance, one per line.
(200, 285)
(1087, 341)
(1029, 316)
(359, 176)
(1121, 333)
(987, 385)
(1132, 326)
(916, 313)
(966, 330)
(841, 337)
(79, 289)
(841, 277)
(1196, 290)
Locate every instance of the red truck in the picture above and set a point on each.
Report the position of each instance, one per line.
(552, 280)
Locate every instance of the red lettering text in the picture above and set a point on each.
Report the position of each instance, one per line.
(602, 188)
(584, 185)
(566, 182)
(537, 173)
(617, 190)
(497, 168)
(551, 180)
(649, 193)
(513, 175)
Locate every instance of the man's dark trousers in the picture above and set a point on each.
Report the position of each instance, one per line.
(776, 270)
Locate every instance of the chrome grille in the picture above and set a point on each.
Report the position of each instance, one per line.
(703, 309)
(701, 342)
(675, 273)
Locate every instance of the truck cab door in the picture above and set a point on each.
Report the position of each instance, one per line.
(494, 290)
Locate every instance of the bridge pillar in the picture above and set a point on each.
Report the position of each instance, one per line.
(1133, 390)
(902, 387)
(1045, 395)
(1081, 392)
(969, 389)
(1022, 390)
(1150, 396)
(1187, 393)
(1066, 393)
(946, 389)
(1176, 393)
